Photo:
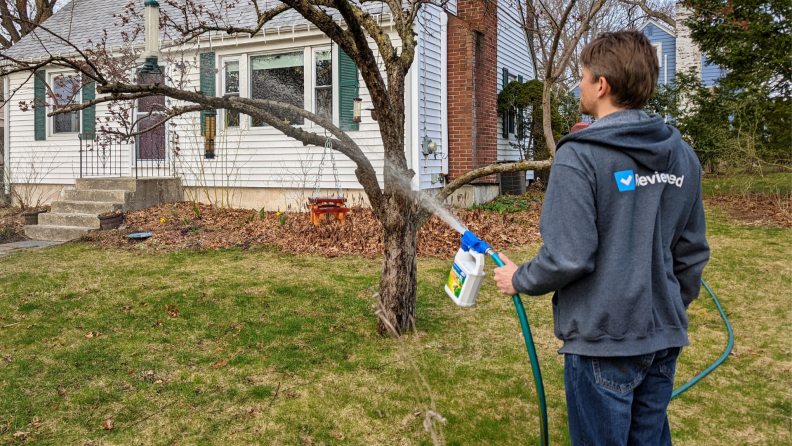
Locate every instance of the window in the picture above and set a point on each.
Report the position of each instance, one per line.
(279, 77)
(323, 86)
(659, 48)
(231, 88)
(67, 91)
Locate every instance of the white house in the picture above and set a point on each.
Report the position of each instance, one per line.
(464, 55)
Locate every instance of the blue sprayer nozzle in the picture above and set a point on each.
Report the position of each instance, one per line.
(471, 242)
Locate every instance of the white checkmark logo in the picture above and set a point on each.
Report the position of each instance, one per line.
(626, 181)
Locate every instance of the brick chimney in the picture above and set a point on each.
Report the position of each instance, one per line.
(472, 87)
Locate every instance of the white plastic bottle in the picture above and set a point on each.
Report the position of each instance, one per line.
(467, 274)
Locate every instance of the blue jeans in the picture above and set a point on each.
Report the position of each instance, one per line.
(621, 400)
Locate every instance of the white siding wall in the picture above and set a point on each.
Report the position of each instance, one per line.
(429, 104)
(513, 54)
(53, 161)
(247, 157)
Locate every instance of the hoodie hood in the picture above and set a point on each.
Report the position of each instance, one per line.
(650, 142)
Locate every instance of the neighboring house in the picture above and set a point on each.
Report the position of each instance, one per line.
(676, 52)
(452, 94)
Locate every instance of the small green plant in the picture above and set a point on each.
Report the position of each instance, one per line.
(196, 210)
(282, 217)
(508, 203)
(175, 212)
(251, 218)
(194, 230)
(6, 232)
(186, 222)
(261, 213)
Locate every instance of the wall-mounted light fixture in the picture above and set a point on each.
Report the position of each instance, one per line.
(373, 113)
(210, 117)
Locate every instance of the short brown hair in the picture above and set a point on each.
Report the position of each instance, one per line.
(628, 61)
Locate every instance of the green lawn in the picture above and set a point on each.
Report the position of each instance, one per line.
(279, 349)
(769, 183)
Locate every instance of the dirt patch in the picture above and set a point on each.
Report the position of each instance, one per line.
(181, 225)
(12, 225)
(772, 210)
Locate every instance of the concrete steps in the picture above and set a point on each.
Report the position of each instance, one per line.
(112, 196)
(55, 233)
(79, 213)
(85, 207)
(88, 221)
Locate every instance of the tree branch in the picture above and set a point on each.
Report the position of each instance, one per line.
(667, 19)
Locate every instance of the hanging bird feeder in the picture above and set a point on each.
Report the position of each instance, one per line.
(209, 133)
(327, 207)
(356, 111)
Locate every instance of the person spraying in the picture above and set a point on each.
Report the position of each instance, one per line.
(624, 249)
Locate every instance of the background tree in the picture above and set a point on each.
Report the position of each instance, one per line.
(383, 65)
(750, 39)
(19, 18)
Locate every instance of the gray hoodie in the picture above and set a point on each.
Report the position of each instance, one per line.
(624, 238)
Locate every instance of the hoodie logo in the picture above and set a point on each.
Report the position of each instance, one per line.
(625, 180)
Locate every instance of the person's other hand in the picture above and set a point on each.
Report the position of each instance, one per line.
(503, 276)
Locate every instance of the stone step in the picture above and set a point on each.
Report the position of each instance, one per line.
(122, 183)
(89, 221)
(113, 196)
(85, 207)
(55, 233)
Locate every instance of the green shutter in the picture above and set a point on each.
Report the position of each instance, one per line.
(40, 108)
(89, 114)
(505, 132)
(348, 89)
(518, 129)
(207, 82)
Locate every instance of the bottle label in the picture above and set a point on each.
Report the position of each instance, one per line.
(456, 279)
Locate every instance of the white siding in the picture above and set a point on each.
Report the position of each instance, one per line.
(429, 87)
(513, 55)
(247, 157)
(54, 161)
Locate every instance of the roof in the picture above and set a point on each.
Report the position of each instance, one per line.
(662, 26)
(82, 23)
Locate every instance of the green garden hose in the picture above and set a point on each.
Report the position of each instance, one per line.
(529, 344)
(526, 329)
(723, 357)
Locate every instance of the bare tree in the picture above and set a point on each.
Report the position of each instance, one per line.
(561, 28)
(383, 66)
(19, 18)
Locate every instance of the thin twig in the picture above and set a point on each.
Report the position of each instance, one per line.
(274, 396)
(10, 325)
(154, 413)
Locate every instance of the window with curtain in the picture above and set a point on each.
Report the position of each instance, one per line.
(323, 86)
(67, 92)
(279, 77)
(231, 88)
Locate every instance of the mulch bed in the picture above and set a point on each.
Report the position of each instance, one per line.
(178, 226)
(771, 210)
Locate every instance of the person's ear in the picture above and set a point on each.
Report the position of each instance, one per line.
(603, 88)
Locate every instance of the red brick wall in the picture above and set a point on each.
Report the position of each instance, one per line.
(472, 87)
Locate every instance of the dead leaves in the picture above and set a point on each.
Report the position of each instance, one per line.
(173, 312)
(219, 364)
(362, 234)
(107, 425)
(8, 358)
(93, 334)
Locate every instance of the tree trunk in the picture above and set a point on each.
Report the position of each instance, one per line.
(398, 284)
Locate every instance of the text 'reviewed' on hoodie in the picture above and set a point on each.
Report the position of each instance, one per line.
(624, 238)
